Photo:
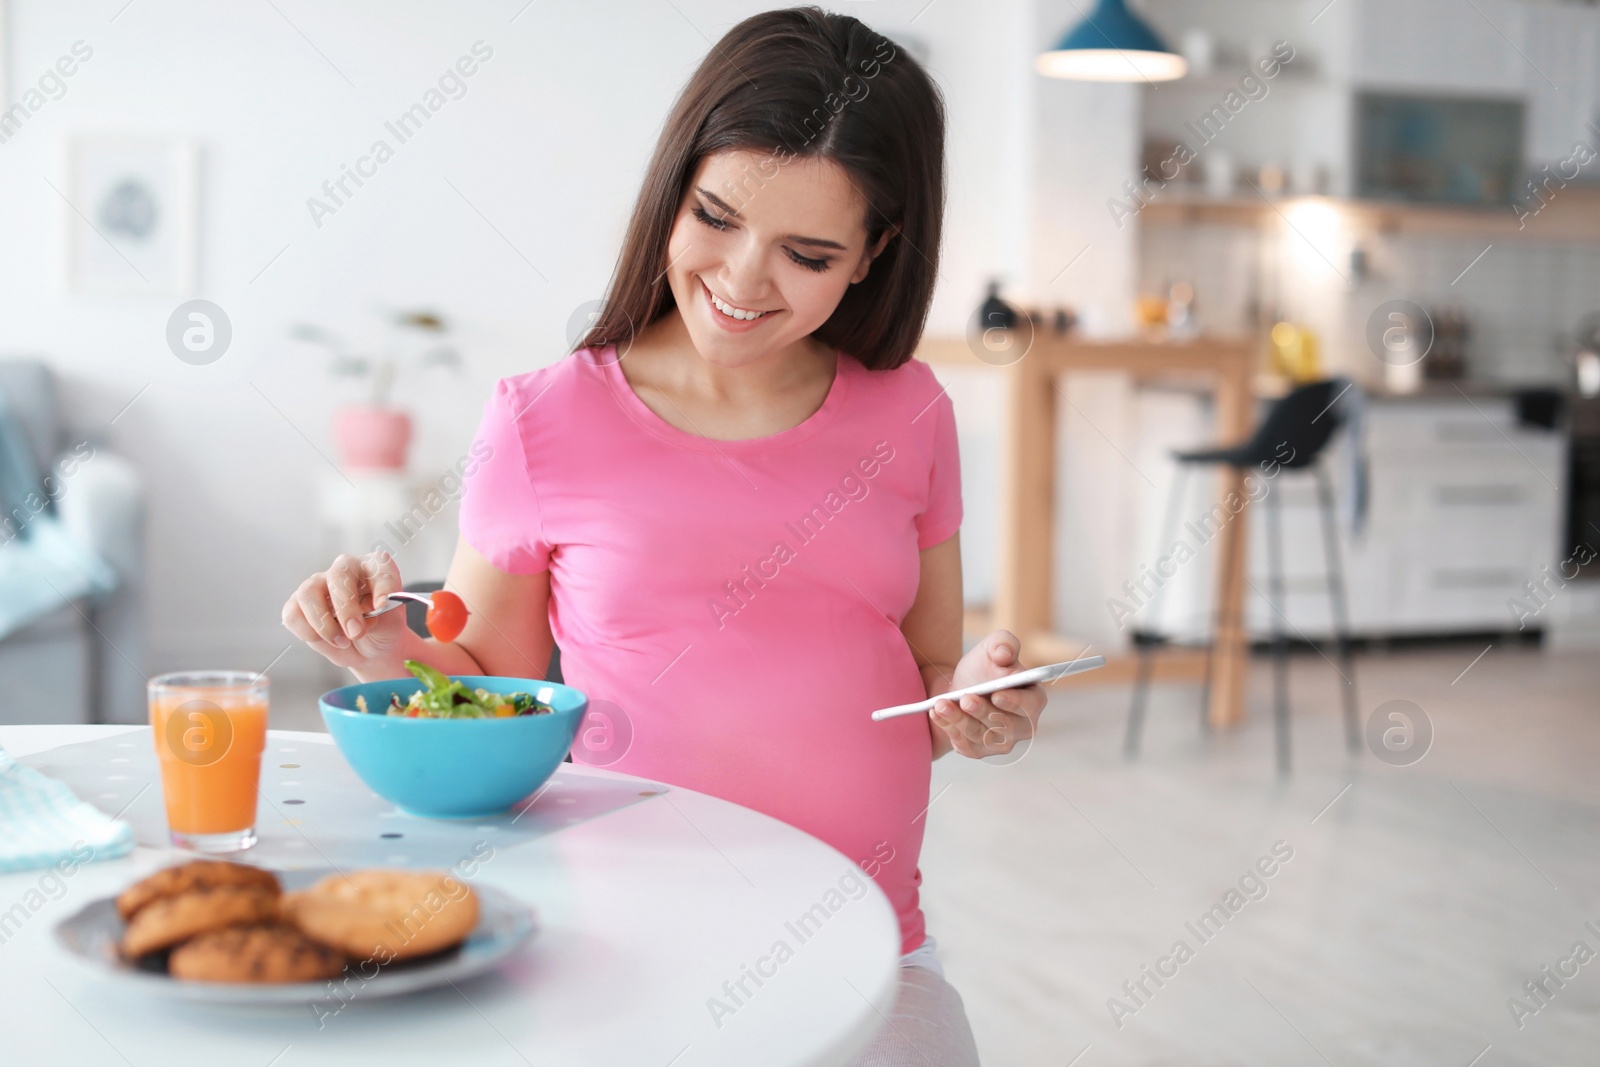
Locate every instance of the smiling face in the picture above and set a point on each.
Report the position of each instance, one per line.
(757, 263)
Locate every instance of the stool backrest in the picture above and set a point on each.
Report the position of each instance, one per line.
(1299, 425)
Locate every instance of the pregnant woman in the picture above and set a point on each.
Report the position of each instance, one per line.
(735, 508)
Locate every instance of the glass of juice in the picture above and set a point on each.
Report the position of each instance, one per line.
(210, 728)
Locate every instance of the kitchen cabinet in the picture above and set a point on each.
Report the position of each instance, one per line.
(1562, 44)
(1465, 508)
(1542, 53)
(1439, 46)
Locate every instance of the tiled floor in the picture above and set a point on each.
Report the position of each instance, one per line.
(1416, 902)
(1412, 909)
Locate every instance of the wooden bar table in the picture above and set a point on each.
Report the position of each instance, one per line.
(1022, 601)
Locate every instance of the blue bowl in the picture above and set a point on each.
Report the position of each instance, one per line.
(453, 768)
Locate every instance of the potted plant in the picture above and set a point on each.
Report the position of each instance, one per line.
(376, 435)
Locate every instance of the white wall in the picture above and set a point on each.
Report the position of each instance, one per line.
(1086, 145)
(548, 145)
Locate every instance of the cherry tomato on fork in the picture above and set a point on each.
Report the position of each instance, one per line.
(447, 617)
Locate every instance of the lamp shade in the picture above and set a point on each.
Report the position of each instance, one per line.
(1112, 44)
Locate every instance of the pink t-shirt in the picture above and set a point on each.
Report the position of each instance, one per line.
(737, 602)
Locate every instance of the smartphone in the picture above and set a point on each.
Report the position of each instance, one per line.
(1011, 681)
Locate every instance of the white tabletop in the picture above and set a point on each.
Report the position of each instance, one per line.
(644, 914)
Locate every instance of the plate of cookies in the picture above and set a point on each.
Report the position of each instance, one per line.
(219, 931)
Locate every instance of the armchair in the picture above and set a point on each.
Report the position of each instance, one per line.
(83, 662)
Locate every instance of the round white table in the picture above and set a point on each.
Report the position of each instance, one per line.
(648, 915)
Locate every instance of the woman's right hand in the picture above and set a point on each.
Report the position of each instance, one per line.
(325, 612)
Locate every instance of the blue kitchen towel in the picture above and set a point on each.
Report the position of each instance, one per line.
(1353, 417)
(42, 822)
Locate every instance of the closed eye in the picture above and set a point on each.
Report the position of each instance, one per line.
(808, 263)
(720, 223)
(709, 219)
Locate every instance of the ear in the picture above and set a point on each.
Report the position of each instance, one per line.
(873, 253)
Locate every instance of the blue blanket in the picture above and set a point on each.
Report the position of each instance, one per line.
(41, 566)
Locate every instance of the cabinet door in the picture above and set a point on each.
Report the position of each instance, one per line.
(1477, 512)
(1464, 510)
(1562, 43)
(1477, 534)
(1441, 45)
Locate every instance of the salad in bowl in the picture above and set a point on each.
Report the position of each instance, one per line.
(460, 746)
(442, 697)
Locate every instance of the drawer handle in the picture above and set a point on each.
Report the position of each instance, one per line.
(1484, 578)
(1467, 432)
(1501, 495)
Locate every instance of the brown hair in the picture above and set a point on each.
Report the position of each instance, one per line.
(804, 83)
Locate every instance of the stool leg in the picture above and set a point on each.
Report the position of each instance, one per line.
(1219, 621)
(1341, 617)
(1280, 644)
(1141, 686)
(1145, 651)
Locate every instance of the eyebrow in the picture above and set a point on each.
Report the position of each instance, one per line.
(727, 209)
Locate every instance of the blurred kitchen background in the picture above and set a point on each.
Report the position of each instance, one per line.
(237, 339)
(1397, 151)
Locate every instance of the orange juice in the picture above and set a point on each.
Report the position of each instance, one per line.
(209, 729)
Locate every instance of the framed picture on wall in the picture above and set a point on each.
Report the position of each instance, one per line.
(131, 215)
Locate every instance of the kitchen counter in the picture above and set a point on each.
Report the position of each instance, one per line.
(1472, 388)
(1271, 386)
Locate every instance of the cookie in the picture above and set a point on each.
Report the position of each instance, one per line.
(164, 922)
(385, 915)
(200, 874)
(271, 952)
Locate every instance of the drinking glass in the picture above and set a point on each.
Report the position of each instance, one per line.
(210, 728)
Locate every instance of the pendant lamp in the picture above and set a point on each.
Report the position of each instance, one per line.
(1112, 44)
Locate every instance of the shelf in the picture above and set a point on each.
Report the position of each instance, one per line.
(1571, 214)
(1220, 79)
(1145, 359)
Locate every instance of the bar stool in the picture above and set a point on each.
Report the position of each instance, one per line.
(1291, 438)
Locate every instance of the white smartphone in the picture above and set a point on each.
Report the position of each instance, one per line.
(1011, 681)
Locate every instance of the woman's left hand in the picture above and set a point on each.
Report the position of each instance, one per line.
(988, 725)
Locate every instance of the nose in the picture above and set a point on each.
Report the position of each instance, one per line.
(744, 275)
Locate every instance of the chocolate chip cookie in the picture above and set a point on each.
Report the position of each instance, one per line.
(199, 874)
(271, 952)
(166, 921)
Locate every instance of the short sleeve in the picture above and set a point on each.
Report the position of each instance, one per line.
(500, 513)
(940, 520)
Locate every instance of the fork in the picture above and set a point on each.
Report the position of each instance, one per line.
(397, 599)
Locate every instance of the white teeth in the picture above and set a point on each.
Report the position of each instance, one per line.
(733, 312)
